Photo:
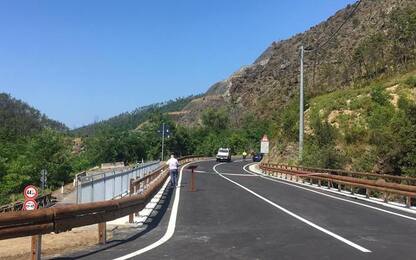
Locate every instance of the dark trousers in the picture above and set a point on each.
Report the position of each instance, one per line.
(173, 177)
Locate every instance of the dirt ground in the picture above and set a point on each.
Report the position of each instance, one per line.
(75, 240)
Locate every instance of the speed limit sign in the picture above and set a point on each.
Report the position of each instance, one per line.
(30, 205)
(30, 192)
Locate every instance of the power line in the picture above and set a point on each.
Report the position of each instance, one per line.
(340, 27)
(319, 46)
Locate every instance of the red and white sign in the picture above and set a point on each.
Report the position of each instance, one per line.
(30, 192)
(264, 144)
(30, 205)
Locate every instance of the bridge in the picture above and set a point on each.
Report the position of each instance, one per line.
(239, 210)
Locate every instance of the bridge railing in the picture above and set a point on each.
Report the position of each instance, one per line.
(369, 182)
(111, 184)
(64, 218)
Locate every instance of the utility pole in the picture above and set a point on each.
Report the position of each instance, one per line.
(301, 123)
(165, 132)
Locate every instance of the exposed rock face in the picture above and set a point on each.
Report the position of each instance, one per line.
(195, 108)
(272, 80)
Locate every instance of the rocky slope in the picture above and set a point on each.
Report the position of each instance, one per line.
(354, 44)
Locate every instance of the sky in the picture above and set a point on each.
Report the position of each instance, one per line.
(80, 61)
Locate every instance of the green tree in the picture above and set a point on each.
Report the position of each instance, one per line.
(215, 119)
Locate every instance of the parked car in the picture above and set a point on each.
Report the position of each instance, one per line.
(224, 154)
(257, 157)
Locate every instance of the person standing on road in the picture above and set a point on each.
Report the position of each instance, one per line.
(173, 170)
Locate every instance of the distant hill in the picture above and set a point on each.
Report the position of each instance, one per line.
(131, 120)
(359, 43)
(18, 119)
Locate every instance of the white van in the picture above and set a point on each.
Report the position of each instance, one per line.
(224, 154)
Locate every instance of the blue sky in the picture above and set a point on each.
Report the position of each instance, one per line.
(79, 61)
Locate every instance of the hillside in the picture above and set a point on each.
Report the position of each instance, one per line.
(372, 128)
(18, 119)
(131, 120)
(359, 43)
(30, 142)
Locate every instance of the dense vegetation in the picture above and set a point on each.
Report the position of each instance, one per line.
(34, 143)
(19, 119)
(371, 128)
(29, 142)
(370, 125)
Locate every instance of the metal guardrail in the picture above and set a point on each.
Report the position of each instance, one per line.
(371, 176)
(111, 184)
(64, 218)
(386, 184)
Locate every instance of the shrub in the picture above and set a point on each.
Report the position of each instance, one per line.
(355, 134)
(411, 81)
(379, 95)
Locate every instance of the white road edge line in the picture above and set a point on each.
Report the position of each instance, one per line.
(266, 177)
(346, 241)
(171, 226)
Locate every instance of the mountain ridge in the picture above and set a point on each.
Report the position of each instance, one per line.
(271, 81)
(17, 118)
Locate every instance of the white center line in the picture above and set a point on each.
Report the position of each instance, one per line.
(344, 240)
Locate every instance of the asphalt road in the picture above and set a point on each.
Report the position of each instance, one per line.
(234, 214)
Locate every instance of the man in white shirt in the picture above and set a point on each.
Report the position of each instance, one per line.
(173, 170)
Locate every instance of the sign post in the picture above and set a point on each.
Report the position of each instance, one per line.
(31, 193)
(264, 145)
(43, 179)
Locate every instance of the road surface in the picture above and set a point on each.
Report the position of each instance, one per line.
(235, 214)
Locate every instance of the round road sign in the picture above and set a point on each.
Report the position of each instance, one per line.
(30, 205)
(30, 192)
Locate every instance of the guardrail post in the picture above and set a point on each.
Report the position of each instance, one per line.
(36, 247)
(319, 183)
(352, 190)
(102, 233)
(386, 196)
(408, 201)
(367, 193)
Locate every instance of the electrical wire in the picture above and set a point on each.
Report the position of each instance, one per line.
(319, 46)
